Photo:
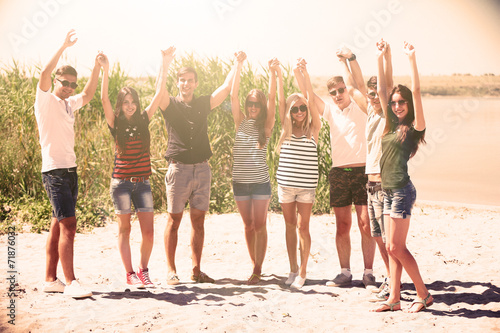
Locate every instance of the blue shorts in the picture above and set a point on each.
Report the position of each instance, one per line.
(375, 210)
(125, 192)
(188, 182)
(399, 202)
(254, 191)
(291, 194)
(61, 186)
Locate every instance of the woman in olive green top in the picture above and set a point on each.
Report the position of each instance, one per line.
(404, 131)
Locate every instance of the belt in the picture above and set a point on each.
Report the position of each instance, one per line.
(136, 179)
(172, 161)
(373, 188)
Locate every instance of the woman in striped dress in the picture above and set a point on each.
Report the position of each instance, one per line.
(251, 183)
(130, 179)
(297, 173)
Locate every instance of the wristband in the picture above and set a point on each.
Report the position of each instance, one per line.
(352, 58)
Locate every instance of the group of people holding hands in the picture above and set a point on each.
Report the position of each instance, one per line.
(374, 130)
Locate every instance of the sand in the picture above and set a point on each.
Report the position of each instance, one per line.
(456, 248)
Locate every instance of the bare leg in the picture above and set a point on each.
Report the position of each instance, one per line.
(383, 253)
(197, 237)
(124, 241)
(146, 220)
(343, 220)
(367, 242)
(304, 214)
(170, 237)
(260, 220)
(290, 216)
(67, 233)
(52, 251)
(246, 212)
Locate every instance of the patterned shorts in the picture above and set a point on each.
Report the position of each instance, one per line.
(347, 186)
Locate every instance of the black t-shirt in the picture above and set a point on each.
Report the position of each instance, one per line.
(187, 130)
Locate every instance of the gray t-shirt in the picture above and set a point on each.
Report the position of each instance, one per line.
(375, 125)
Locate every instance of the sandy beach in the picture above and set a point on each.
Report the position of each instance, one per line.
(455, 246)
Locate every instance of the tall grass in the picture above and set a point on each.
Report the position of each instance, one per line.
(22, 197)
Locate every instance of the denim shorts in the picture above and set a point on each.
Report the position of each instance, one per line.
(347, 186)
(375, 210)
(61, 186)
(125, 192)
(399, 202)
(254, 191)
(291, 194)
(188, 182)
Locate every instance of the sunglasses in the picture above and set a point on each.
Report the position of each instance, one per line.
(302, 108)
(401, 102)
(339, 91)
(372, 95)
(66, 83)
(250, 104)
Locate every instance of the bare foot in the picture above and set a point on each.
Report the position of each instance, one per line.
(253, 279)
(386, 306)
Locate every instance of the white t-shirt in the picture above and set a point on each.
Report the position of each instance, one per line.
(55, 118)
(374, 131)
(347, 134)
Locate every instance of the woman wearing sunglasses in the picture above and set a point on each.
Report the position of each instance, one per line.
(130, 179)
(404, 131)
(297, 173)
(251, 183)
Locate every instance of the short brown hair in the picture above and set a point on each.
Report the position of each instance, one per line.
(334, 81)
(66, 70)
(372, 83)
(185, 70)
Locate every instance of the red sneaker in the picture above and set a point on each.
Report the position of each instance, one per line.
(133, 280)
(143, 275)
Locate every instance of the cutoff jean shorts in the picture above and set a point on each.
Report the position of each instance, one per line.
(398, 203)
(124, 193)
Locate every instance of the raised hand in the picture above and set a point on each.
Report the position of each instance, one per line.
(70, 40)
(344, 53)
(102, 60)
(409, 49)
(168, 55)
(240, 56)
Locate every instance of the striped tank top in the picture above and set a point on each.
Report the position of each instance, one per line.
(298, 163)
(249, 161)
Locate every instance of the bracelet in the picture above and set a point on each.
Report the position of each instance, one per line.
(352, 58)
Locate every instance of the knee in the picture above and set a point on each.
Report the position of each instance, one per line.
(173, 224)
(395, 250)
(343, 229)
(148, 236)
(124, 230)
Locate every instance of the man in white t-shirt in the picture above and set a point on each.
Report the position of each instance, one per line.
(54, 112)
(347, 120)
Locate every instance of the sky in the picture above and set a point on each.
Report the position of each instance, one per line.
(450, 36)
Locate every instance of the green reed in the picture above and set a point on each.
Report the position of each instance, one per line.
(22, 197)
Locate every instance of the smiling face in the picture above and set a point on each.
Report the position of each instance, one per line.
(399, 106)
(60, 90)
(298, 112)
(187, 83)
(129, 106)
(253, 107)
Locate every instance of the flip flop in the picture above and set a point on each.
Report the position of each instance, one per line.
(423, 302)
(202, 278)
(254, 279)
(390, 307)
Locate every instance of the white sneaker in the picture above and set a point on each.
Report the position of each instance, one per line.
(56, 286)
(75, 290)
(291, 278)
(298, 283)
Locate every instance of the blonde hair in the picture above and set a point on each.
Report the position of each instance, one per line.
(288, 122)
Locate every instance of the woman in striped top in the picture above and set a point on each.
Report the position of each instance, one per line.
(297, 173)
(251, 185)
(130, 178)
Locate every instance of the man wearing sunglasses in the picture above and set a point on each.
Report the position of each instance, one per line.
(54, 112)
(347, 120)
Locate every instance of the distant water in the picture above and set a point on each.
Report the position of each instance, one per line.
(461, 160)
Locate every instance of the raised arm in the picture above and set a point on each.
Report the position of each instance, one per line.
(281, 93)
(161, 82)
(419, 122)
(91, 86)
(389, 80)
(274, 66)
(238, 116)
(311, 100)
(357, 75)
(320, 104)
(358, 97)
(220, 94)
(381, 76)
(45, 82)
(106, 104)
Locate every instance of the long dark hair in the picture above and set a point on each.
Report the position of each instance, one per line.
(260, 122)
(392, 123)
(121, 122)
